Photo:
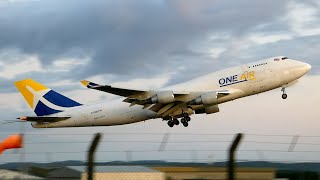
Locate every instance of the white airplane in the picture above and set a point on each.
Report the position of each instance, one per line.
(198, 96)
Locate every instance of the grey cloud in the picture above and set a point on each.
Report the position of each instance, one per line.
(302, 48)
(141, 39)
(129, 39)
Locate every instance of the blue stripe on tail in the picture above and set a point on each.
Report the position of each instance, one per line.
(60, 100)
(43, 110)
(55, 99)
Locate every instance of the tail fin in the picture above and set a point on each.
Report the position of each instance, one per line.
(43, 100)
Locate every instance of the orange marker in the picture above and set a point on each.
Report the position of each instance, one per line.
(13, 141)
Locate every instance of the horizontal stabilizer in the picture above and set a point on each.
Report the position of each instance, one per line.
(43, 119)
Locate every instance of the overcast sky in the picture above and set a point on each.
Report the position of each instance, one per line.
(153, 43)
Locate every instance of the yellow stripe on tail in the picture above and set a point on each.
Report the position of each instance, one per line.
(22, 86)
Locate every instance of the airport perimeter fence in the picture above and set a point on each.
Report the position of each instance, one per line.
(171, 147)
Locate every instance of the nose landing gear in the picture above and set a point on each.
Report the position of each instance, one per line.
(284, 94)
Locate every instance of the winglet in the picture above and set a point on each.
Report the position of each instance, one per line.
(89, 84)
(85, 82)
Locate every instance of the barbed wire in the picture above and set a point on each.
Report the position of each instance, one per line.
(178, 134)
(168, 150)
(169, 142)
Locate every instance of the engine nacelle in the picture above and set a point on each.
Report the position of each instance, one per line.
(164, 97)
(208, 110)
(206, 99)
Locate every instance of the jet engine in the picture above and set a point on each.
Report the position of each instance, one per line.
(208, 110)
(163, 97)
(205, 99)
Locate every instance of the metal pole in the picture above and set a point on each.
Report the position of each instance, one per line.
(231, 165)
(91, 152)
(129, 156)
(22, 157)
(164, 141)
(293, 143)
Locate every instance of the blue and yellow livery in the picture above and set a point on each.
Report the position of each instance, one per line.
(43, 100)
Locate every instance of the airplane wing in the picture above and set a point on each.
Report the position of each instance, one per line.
(129, 93)
(112, 90)
(161, 102)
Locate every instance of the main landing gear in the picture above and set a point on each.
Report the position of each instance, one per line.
(284, 94)
(173, 122)
(184, 120)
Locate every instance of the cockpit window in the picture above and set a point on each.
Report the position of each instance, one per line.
(284, 58)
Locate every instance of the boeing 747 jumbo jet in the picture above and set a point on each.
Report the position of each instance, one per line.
(198, 96)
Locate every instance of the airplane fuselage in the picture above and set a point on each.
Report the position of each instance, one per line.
(244, 80)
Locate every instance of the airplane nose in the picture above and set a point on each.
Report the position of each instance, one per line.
(300, 68)
(304, 68)
(307, 67)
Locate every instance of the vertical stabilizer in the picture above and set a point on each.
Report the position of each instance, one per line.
(42, 100)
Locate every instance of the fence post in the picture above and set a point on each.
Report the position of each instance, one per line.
(231, 164)
(91, 152)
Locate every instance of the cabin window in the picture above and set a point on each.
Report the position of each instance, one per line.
(284, 58)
